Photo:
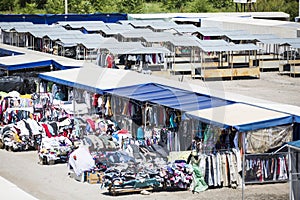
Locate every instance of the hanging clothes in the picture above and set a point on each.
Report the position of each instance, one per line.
(108, 111)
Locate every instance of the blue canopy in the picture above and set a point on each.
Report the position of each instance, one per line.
(31, 65)
(168, 96)
(297, 119)
(294, 143)
(6, 52)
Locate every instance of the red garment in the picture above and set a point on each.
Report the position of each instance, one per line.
(122, 131)
(91, 123)
(45, 126)
(95, 99)
(109, 60)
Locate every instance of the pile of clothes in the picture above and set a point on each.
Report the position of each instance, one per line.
(54, 150)
(23, 135)
(178, 174)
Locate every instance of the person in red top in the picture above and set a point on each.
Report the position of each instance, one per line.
(109, 61)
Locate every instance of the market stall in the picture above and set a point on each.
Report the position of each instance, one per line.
(241, 128)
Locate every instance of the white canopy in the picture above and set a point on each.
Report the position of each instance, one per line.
(243, 117)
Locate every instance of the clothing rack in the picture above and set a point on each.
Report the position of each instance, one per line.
(266, 168)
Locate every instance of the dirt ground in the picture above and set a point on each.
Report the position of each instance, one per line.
(53, 183)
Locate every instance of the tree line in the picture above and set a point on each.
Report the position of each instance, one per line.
(142, 6)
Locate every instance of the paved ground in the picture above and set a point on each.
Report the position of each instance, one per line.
(52, 182)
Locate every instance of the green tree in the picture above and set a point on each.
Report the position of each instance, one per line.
(130, 6)
(104, 6)
(55, 7)
(270, 5)
(175, 5)
(30, 8)
(199, 6)
(21, 3)
(40, 4)
(6, 5)
(291, 9)
(78, 6)
(222, 4)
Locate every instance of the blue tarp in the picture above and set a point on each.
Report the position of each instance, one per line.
(294, 143)
(53, 18)
(168, 96)
(32, 65)
(265, 124)
(6, 52)
(297, 119)
(43, 63)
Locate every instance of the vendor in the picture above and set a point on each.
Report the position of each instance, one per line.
(140, 135)
(199, 182)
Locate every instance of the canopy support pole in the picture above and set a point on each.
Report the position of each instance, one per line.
(290, 174)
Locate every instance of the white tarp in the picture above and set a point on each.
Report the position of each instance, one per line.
(241, 116)
(81, 160)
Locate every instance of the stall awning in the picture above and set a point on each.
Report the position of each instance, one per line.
(297, 119)
(168, 96)
(294, 144)
(243, 117)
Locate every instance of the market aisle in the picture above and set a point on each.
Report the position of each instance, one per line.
(9, 190)
(53, 183)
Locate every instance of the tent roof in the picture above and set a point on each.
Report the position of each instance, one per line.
(265, 36)
(10, 25)
(136, 33)
(33, 59)
(88, 40)
(121, 47)
(136, 50)
(185, 41)
(295, 144)
(211, 29)
(87, 25)
(243, 117)
(163, 25)
(95, 78)
(121, 78)
(245, 36)
(185, 28)
(222, 45)
(73, 34)
(158, 37)
(145, 23)
(147, 50)
(168, 96)
(119, 27)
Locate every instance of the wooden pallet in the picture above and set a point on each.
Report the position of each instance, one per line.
(115, 190)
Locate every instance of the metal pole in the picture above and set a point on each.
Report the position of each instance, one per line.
(243, 169)
(66, 6)
(73, 101)
(290, 174)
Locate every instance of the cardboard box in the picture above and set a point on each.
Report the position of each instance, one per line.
(94, 177)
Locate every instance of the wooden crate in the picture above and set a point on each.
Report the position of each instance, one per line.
(94, 177)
